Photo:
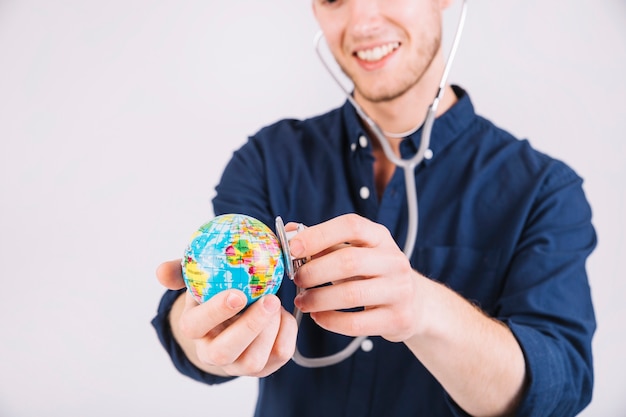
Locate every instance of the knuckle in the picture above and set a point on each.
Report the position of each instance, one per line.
(403, 319)
(355, 223)
(347, 260)
(407, 269)
(366, 230)
(252, 364)
(382, 234)
(283, 352)
(187, 326)
(214, 357)
(356, 325)
(353, 295)
(255, 323)
(382, 229)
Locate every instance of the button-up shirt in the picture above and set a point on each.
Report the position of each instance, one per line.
(505, 226)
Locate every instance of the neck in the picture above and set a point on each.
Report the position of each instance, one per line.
(406, 113)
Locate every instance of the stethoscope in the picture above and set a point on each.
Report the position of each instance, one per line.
(408, 166)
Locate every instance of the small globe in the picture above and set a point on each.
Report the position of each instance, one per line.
(233, 251)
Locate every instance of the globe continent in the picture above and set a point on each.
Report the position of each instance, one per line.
(233, 251)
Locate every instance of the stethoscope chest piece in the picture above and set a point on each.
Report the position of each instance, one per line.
(291, 267)
(291, 264)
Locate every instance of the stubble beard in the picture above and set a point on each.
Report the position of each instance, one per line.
(403, 82)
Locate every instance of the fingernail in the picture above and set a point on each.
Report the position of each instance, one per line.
(296, 247)
(234, 301)
(271, 304)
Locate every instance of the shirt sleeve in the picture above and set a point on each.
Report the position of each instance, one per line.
(179, 359)
(546, 300)
(243, 187)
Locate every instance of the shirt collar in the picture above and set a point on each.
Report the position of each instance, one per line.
(446, 128)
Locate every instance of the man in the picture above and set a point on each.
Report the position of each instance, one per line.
(492, 316)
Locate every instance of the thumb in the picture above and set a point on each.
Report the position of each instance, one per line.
(170, 275)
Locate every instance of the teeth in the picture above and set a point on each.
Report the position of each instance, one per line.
(377, 53)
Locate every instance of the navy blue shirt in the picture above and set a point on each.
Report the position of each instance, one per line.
(504, 225)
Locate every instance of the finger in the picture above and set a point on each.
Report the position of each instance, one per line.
(170, 275)
(254, 359)
(369, 322)
(349, 262)
(199, 319)
(345, 295)
(362, 323)
(349, 228)
(290, 227)
(278, 347)
(236, 338)
(284, 345)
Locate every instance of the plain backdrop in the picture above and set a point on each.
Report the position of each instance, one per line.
(117, 118)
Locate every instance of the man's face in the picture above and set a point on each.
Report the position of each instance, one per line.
(384, 46)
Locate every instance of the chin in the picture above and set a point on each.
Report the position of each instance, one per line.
(381, 95)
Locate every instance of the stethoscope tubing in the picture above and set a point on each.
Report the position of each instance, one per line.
(408, 165)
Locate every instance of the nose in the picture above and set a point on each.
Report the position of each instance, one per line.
(365, 17)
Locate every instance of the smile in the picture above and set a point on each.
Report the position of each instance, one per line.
(377, 53)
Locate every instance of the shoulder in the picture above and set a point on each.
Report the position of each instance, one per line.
(298, 140)
(503, 165)
(519, 156)
(285, 131)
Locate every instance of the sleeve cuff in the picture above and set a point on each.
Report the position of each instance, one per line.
(552, 389)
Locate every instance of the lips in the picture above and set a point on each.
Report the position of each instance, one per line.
(377, 53)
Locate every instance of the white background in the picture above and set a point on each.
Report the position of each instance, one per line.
(117, 117)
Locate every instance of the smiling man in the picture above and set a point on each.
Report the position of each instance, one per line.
(491, 315)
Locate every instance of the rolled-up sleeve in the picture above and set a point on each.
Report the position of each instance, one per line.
(546, 300)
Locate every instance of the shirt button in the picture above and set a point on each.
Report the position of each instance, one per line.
(363, 141)
(428, 154)
(367, 345)
(364, 192)
(353, 147)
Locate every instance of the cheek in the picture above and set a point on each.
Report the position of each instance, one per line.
(332, 27)
(332, 37)
(332, 43)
